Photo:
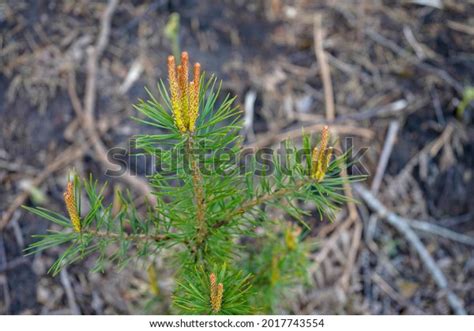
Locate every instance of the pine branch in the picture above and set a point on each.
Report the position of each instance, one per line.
(248, 205)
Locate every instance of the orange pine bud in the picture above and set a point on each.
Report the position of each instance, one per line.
(324, 138)
(213, 290)
(197, 77)
(172, 77)
(71, 207)
(185, 72)
(212, 279)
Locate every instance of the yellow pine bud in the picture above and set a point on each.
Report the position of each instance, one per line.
(194, 87)
(71, 207)
(314, 162)
(183, 94)
(290, 239)
(327, 159)
(292, 231)
(175, 95)
(323, 163)
(152, 279)
(183, 86)
(321, 156)
(219, 296)
(193, 107)
(182, 97)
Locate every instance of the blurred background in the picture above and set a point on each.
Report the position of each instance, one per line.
(395, 77)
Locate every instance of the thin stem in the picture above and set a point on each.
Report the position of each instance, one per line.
(248, 205)
(198, 184)
(130, 237)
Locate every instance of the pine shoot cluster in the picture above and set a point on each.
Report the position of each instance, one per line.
(184, 94)
(217, 292)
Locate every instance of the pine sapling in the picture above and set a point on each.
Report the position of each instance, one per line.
(214, 220)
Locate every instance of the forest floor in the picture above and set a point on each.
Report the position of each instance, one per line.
(399, 74)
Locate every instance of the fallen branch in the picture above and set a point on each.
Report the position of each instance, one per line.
(384, 157)
(432, 149)
(88, 123)
(324, 67)
(404, 228)
(71, 297)
(441, 231)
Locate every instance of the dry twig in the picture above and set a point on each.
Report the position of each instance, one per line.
(386, 152)
(432, 148)
(323, 65)
(89, 124)
(441, 231)
(404, 228)
(71, 298)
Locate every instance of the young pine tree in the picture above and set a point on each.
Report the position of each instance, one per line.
(214, 210)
